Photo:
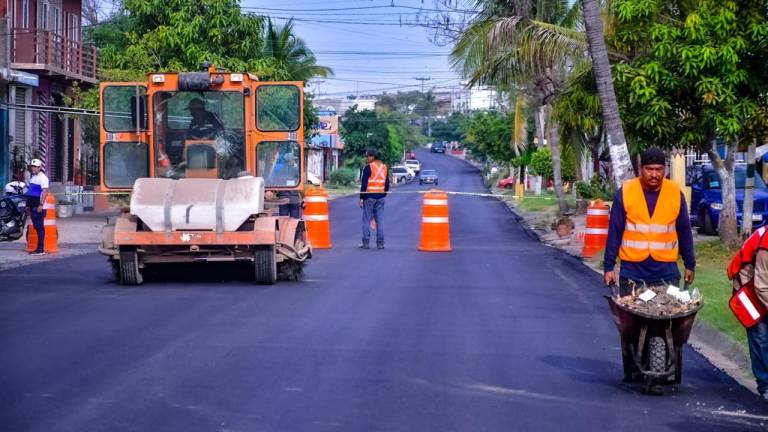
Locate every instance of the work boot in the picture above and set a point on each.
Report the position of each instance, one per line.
(380, 245)
(37, 253)
(364, 245)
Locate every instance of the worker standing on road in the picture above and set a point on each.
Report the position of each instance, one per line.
(750, 267)
(374, 186)
(649, 229)
(36, 194)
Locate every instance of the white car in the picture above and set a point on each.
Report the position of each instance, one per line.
(411, 172)
(414, 165)
(400, 174)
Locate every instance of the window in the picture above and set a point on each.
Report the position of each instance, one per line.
(57, 20)
(74, 28)
(279, 163)
(124, 163)
(278, 108)
(199, 134)
(24, 13)
(44, 11)
(120, 108)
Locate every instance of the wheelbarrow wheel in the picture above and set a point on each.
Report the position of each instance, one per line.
(657, 361)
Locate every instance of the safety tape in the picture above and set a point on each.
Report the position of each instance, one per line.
(434, 220)
(315, 218)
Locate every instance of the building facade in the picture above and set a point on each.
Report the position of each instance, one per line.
(42, 57)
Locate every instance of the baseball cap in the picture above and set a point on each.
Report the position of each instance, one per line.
(36, 163)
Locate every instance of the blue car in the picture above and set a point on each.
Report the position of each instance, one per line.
(707, 198)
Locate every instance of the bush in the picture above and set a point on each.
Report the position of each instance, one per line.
(595, 189)
(343, 177)
(541, 163)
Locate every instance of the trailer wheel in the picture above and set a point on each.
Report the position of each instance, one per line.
(291, 270)
(130, 272)
(264, 265)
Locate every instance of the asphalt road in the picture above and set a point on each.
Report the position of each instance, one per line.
(502, 334)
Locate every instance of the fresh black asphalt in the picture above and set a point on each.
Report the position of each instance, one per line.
(502, 334)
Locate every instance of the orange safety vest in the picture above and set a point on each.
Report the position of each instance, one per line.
(378, 180)
(745, 303)
(644, 235)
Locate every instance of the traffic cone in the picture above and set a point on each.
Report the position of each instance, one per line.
(51, 232)
(316, 218)
(596, 233)
(435, 229)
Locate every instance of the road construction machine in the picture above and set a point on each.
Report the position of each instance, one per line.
(202, 156)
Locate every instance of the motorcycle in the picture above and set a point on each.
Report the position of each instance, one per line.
(13, 211)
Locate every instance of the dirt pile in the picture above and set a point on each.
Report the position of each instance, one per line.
(661, 301)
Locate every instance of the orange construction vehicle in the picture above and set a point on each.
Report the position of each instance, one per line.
(202, 154)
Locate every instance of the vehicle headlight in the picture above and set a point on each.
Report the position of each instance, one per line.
(716, 206)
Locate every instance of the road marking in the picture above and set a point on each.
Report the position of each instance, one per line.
(741, 415)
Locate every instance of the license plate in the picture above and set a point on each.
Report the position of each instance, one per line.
(757, 217)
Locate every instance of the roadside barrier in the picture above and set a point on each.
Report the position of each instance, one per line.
(435, 227)
(316, 218)
(51, 232)
(596, 233)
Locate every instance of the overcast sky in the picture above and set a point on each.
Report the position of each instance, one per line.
(362, 41)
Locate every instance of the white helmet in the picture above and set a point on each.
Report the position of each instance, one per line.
(313, 179)
(16, 188)
(36, 163)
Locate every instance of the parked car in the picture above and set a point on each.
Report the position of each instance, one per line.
(413, 164)
(428, 177)
(707, 198)
(507, 183)
(400, 174)
(438, 147)
(410, 170)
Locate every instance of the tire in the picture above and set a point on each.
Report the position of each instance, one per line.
(264, 265)
(706, 223)
(657, 354)
(437, 182)
(130, 272)
(294, 270)
(421, 183)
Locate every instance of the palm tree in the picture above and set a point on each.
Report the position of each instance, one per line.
(528, 48)
(617, 143)
(283, 46)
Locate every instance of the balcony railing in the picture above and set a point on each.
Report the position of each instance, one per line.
(44, 50)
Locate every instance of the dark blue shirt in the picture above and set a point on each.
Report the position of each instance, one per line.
(648, 270)
(364, 185)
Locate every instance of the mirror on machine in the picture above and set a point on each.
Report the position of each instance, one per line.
(278, 108)
(279, 163)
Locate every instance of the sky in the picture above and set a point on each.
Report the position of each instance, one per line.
(365, 44)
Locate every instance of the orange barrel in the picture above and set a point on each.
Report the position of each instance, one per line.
(435, 227)
(316, 218)
(596, 233)
(51, 232)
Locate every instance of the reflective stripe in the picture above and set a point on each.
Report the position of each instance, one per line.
(644, 245)
(315, 218)
(378, 178)
(315, 199)
(654, 228)
(598, 212)
(748, 305)
(597, 231)
(50, 222)
(436, 202)
(434, 220)
(47, 206)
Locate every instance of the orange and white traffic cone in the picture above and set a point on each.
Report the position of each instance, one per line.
(51, 232)
(435, 227)
(316, 218)
(596, 233)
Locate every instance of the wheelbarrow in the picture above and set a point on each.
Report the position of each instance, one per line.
(652, 346)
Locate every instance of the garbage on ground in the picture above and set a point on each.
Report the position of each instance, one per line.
(660, 300)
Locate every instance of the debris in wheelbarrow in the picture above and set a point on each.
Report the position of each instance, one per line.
(661, 300)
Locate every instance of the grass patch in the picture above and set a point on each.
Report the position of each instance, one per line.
(711, 260)
(545, 203)
(341, 190)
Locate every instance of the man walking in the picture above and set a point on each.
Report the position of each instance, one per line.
(373, 189)
(36, 194)
(649, 229)
(749, 269)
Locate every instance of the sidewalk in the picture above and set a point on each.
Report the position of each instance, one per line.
(78, 235)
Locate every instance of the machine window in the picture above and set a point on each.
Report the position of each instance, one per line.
(124, 162)
(278, 108)
(279, 163)
(122, 106)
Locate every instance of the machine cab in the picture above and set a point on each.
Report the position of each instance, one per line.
(210, 124)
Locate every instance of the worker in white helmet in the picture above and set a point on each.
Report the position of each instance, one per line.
(36, 194)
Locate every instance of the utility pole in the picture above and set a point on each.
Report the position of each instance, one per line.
(422, 79)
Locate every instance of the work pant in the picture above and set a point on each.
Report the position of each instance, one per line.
(292, 209)
(373, 209)
(757, 337)
(38, 222)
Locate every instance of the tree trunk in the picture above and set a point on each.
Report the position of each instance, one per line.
(727, 227)
(557, 169)
(617, 144)
(749, 192)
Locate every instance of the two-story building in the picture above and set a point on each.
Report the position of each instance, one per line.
(41, 56)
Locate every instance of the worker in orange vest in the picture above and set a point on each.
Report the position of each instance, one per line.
(374, 186)
(649, 229)
(749, 267)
